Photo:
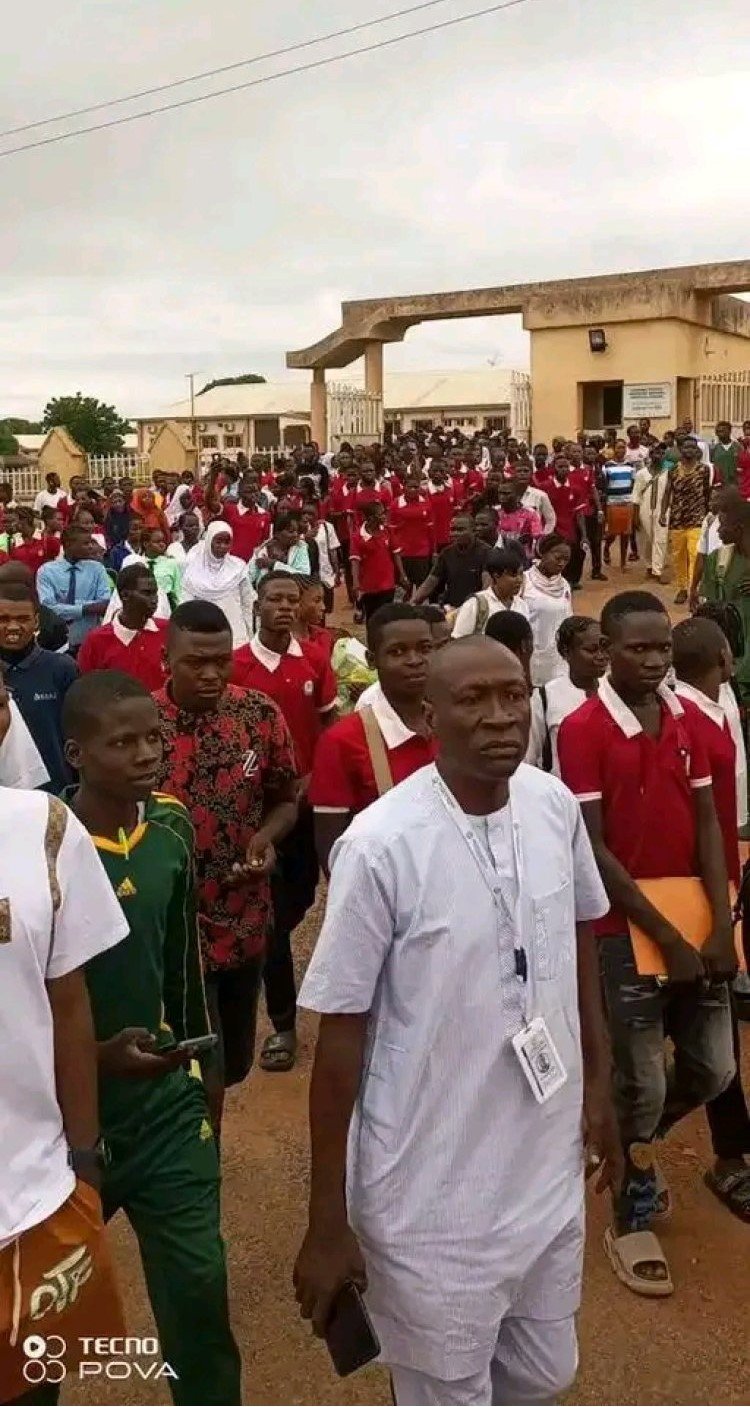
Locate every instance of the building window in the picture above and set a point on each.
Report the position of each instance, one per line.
(209, 442)
(495, 422)
(601, 404)
(422, 424)
(233, 442)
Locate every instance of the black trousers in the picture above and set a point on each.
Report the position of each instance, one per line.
(347, 566)
(232, 1000)
(373, 600)
(574, 569)
(417, 569)
(293, 888)
(594, 534)
(727, 1115)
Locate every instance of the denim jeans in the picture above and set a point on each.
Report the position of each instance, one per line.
(651, 1091)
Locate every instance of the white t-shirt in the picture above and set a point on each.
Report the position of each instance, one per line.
(20, 759)
(709, 540)
(45, 499)
(327, 542)
(35, 1178)
(466, 619)
(562, 698)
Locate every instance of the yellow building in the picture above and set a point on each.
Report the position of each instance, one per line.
(666, 343)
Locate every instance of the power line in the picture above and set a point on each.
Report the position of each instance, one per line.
(226, 68)
(267, 78)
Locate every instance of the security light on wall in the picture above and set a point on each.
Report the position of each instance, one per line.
(597, 339)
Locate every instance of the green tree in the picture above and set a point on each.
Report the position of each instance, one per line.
(249, 379)
(8, 441)
(18, 426)
(96, 427)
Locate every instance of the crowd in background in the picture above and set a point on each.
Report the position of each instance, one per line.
(171, 667)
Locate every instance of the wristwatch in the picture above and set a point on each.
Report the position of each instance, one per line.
(88, 1160)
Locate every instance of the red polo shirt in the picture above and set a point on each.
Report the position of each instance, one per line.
(644, 784)
(136, 652)
(250, 527)
(301, 682)
(718, 742)
(567, 501)
(411, 526)
(583, 480)
(340, 505)
(443, 505)
(361, 496)
(343, 779)
(467, 485)
(374, 552)
(34, 553)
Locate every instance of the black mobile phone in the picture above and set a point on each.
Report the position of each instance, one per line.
(350, 1336)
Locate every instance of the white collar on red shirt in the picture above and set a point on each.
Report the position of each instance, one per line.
(125, 636)
(269, 658)
(437, 488)
(708, 706)
(624, 717)
(393, 728)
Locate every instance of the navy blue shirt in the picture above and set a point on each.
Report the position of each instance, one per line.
(38, 680)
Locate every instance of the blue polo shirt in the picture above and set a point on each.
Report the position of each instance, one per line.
(38, 680)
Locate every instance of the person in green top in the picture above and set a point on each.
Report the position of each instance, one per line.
(164, 569)
(725, 453)
(726, 574)
(146, 995)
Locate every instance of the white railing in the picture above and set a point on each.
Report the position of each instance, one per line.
(123, 464)
(353, 414)
(26, 482)
(520, 405)
(723, 395)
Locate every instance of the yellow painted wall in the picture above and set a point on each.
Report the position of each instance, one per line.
(61, 455)
(169, 453)
(655, 350)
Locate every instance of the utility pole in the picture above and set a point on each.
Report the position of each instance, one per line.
(190, 377)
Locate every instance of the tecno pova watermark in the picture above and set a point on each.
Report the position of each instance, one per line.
(115, 1358)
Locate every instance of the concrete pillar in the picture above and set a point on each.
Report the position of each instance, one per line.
(374, 368)
(319, 409)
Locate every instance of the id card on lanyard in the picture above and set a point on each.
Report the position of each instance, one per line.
(533, 1046)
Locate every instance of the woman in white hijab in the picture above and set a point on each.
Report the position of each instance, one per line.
(213, 574)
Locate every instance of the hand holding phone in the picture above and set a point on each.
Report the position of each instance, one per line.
(350, 1336)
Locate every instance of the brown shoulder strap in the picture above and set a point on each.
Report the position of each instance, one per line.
(57, 820)
(378, 753)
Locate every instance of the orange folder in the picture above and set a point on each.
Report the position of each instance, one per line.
(684, 902)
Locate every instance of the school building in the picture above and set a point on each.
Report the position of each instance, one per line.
(664, 343)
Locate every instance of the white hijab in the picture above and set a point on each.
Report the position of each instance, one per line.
(209, 578)
(177, 504)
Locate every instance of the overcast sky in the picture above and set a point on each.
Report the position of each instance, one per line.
(561, 138)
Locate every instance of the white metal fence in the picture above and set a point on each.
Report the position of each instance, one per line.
(353, 414)
(122, 465)
(723, 395)
(520, 405)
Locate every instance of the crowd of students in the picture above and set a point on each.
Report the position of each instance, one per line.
(168, 669)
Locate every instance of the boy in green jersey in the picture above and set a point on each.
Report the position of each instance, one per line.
(146, 995)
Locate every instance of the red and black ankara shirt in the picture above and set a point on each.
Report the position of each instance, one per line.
(221, 765)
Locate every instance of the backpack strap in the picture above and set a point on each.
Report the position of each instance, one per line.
(483, 614)
(376, 747)
(57, 822)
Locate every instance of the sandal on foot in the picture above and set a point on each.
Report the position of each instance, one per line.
(633, 1251)
(279, 1052)
(732, 1187)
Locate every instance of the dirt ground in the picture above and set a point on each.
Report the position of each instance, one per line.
(692, 1348)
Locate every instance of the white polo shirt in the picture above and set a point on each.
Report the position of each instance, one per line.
(35, 1178)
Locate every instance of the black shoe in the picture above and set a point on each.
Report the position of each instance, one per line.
(599, 576)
